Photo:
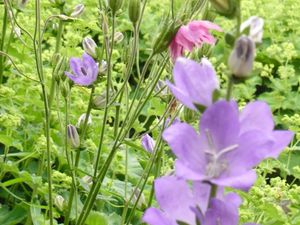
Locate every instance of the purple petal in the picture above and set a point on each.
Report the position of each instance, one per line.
(186, 145)
(282, 138)
(184, 170)
(175, 198)
(153, 216)
(148, 143)
(220, 123)
(90, 65)
(242, 182)
(201, 193)
(256, 115)
(75, 65)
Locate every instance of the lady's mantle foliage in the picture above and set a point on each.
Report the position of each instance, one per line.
(85, 70)
(229, 145)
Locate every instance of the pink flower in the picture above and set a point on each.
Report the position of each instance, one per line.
(193, 34)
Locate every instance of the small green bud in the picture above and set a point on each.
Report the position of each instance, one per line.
(73, 136)
(60, 68)
(134, 10)
(241, 59)
(65, 88)
(224, 7)
(165, 37)
(115, 5)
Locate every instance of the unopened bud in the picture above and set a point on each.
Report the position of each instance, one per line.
(148, 143)
(256, 28)
(103, 67)
(89, 46)
(81, 121)
(134, 10)
(118, 38)
(21, 4)
(60, 68)
(59, 202)
(165, 37)
(65, 88)
(73, 136)
(224, 7)
(77, 11)
(241, 59)
(115, 5)
(99, 101)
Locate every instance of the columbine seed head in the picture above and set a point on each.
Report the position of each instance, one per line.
(134, 10)
(77, 11)
(73, 136)
(89, 46)
(241, 59)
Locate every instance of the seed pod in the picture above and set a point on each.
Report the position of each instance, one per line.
(134, 10)
(89, 46)
(241, 59)
(115, 5)
(73, 136)
(224, 7)
(78, 10)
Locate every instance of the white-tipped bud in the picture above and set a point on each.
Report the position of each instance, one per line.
(78, 10)
(59, 202)
(89, 46)
(256, 28)
(73, 136)
(118, 38)
(103, 67)
(241, 59)
(81, 121)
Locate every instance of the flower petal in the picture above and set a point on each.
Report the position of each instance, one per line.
(282, 138)
(256, 115)
(154, 216)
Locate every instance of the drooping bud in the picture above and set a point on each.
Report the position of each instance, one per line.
(59, 202)
(224, 7)
(118, 38)
(256, 27)
(77, 11)
(165, 37)
(148, 143)
(81, 121)
(73, 136)
(134, 10)
(89, 46)
(241, 59)
(115, 5)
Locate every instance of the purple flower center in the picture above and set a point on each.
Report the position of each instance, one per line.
(83, 70)
(216, 163)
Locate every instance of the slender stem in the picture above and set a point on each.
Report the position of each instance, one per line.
(38, 59)
(4, 25)
(59, 35)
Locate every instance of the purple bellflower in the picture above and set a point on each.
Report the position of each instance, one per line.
(195, 82)
(148, 143)
(180, 203)
(85, 71)
(229, 146)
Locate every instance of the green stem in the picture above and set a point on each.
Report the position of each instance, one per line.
(38, 59)
(4, 26)
(229, 88)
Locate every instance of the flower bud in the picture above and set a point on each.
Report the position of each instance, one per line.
(21, 4)
(59, 202)
(118, 38)
(81, 121)
(89, 46)
(103, 67)
(134, 10)
(241, 59)
(77, 11)
(73, 136)
(99, 101)
(148, 143)
(224, 7)
(115, 5)
(165, 37)
(256, 26)
(65, 88)
(60, 67)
